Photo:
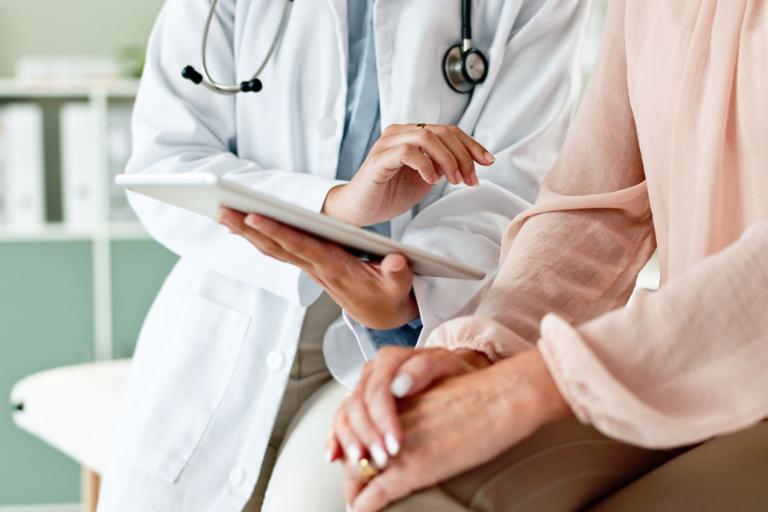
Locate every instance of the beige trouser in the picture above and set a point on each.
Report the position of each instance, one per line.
(569, 467)
(308, 374)
(563, 467)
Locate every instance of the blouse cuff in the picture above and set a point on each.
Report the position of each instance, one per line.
(480, 334)
(599, 398)
(556, 336)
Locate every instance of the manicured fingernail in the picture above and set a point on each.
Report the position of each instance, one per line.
(475, 180)
(401, 385)
(379, 455)
(328, 455)
(393, 447)
(458, 177)
(353, 452)
(349, 507)
(250, 220)
(489, 157)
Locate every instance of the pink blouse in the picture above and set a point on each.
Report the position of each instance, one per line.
(669, 151)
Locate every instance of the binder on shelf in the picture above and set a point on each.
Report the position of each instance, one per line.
(81, 167)
(119, 151)
(23, 166)
(3, 158)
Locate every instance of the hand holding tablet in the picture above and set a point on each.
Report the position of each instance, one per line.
(205, 194)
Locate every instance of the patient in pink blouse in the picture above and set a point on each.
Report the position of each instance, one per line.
(559, 393)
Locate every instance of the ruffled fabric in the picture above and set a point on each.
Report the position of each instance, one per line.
(668, 148)
(480, 334)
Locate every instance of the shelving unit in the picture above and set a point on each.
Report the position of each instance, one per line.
(98, 96)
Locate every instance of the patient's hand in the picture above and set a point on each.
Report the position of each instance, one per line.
(461, 423)
(367, 423)
(377, 295)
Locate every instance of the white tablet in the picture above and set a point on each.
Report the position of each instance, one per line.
(204, 193)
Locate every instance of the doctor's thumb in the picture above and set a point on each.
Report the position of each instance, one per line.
(397, 270)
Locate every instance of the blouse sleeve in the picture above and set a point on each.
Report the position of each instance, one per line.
(577, 252)
(676, 366)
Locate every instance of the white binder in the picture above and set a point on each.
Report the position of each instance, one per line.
(24, 166)
(80, 166)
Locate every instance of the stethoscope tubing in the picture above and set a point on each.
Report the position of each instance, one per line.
(236, 88)
(453, 67)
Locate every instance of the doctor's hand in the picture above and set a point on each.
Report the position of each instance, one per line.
(367, 423)
(401, 169)
(377, 295)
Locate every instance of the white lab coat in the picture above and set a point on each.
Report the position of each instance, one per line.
(214, 355)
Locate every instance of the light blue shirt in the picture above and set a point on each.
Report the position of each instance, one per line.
(362, 124)
(362, 128)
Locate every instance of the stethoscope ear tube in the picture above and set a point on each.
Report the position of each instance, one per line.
(251, 85)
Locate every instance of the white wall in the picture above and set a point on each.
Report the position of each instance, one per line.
(96, 27)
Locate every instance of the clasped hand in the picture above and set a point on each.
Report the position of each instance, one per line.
(422, 416)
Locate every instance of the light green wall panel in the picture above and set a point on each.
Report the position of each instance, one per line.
(139, 268)
(93, 27)
(45, 314)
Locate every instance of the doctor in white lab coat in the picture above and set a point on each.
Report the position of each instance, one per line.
(215, 353)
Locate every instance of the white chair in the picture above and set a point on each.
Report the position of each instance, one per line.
(74, 409)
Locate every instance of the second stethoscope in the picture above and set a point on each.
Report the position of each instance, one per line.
(464, 66)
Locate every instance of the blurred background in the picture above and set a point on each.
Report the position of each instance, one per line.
(77, 272)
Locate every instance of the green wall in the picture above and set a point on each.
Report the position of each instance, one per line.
(93, 27)
(45, 314)
(46, 319)
(45, 288)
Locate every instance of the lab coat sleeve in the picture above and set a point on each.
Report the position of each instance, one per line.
(522, 119)
(182, 128)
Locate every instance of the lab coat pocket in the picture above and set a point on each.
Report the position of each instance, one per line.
(190, 371)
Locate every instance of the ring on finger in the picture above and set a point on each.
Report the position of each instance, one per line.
(367, 469)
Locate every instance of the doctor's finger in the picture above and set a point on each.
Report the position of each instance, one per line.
(429, 143)
(406, 155)
(265, 245)
(461, 152)
(479, 152)
(304, 248)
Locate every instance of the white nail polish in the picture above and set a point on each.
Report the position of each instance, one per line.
(401, 385)
(353, 452)
(379, 455)
(393, 447)
(328, 455)
(349, 507)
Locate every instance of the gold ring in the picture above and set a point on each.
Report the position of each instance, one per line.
(367, 470)
(421, 126)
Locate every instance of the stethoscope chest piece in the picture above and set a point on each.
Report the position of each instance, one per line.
(464, 69)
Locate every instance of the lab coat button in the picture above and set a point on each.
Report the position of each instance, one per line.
(275, 360)
(236, 477)
(327, 127)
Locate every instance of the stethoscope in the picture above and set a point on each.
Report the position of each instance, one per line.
(464, 67)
